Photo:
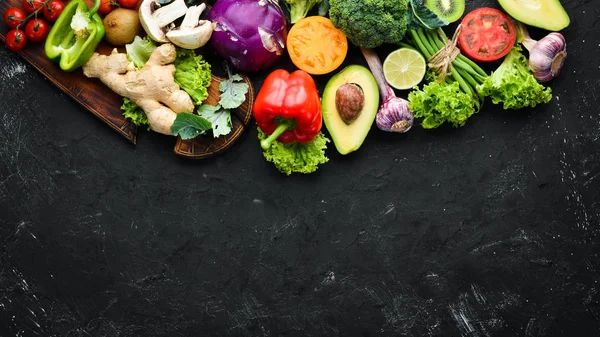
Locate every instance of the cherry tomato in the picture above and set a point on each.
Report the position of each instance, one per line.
(487, 35)
(316, 46)
(53, 9)
(106, 6)
(37, 30)
(15, 40)
(13, 17)
(127, 3)
(31, 5)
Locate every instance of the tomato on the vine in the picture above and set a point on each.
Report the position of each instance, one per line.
(13, 17)
(487, 35)
(37, 30)
(106, 6)
(31, 5)
(53, 9)
(127, 3)
(15, 40)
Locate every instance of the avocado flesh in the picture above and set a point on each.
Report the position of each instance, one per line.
(348, 138)
(546, 14)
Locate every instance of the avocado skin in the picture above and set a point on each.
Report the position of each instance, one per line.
(349, 138)
(547, 14)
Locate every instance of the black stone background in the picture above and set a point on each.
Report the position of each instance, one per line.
(487, 230)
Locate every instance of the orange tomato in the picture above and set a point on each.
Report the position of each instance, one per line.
(316, 46)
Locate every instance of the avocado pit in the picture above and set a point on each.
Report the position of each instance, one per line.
(349, 102)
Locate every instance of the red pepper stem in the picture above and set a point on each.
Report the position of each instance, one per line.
(266, 143)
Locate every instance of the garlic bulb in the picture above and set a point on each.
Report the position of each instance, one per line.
(546, 56)
(394, 114)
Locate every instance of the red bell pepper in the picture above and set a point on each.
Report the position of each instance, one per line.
(288, 108)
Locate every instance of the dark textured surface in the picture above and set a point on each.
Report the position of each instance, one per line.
(488, 230)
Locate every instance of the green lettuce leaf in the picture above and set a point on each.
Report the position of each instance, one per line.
(233, 92)
(296, 157)
(188, 126)
(439, 103)
(134, 113)
(192, 74)
(139, 51)
(513, 84)
(219, 118)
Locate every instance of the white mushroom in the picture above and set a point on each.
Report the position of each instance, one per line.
(155, 21)
(193, 33)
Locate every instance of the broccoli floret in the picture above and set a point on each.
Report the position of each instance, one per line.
(370, 23)
(299, 8)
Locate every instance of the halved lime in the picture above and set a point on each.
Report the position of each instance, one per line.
(404, 68)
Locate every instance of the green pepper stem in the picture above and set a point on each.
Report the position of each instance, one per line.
(94, 8)
(266, 143)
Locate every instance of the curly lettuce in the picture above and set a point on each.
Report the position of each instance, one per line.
(296, 157)
(134, 113)
(192, 74)
(513, 84)
(439, 103)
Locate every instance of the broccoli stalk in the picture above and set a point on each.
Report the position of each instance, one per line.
(299, 8)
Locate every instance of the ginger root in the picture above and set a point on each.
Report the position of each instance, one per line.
(152, 87)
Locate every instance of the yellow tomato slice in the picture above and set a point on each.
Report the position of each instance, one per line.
(316, 46)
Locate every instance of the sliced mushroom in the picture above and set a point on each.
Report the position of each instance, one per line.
(155, 21)
(193, 32)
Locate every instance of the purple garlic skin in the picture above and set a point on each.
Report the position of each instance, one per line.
(547, 56)
(394, 115)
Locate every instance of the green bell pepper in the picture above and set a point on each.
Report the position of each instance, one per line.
(75, 35)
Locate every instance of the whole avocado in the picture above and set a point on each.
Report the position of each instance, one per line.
(370, 23)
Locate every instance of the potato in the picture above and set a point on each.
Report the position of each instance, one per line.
(121, 26)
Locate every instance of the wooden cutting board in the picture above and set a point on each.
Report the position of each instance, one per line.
(98, 99)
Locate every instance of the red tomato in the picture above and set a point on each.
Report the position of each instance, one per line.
(37, 30)
(15, 40)
(53, 9)
(31, 5)
(127, 3)
(487, 35)
(13, 17)
(106, 6)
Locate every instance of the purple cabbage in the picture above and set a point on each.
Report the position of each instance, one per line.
(250, 34)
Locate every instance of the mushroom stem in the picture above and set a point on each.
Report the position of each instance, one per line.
(169, 13)
(192, 16)
(193, 32)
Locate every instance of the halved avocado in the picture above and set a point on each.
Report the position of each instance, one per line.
(349, 137)
(545, 14)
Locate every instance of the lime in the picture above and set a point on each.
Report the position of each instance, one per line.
(404, 68)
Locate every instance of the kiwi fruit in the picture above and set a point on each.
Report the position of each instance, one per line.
(121, 26)
(450, 10)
